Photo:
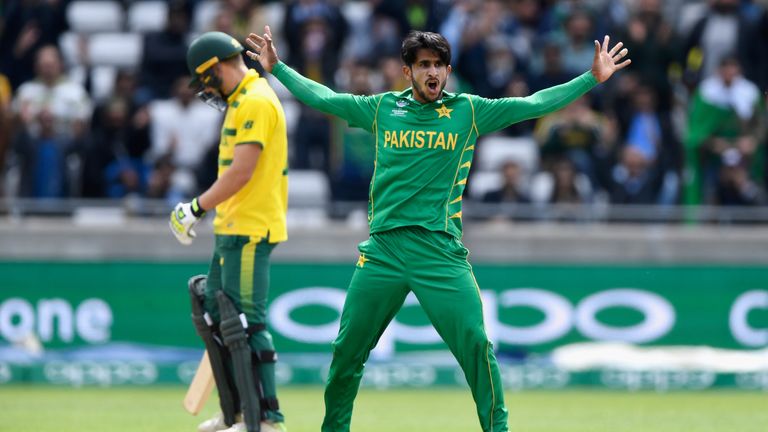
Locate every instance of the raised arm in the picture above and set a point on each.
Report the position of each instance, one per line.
(359, 111)
(495, 114)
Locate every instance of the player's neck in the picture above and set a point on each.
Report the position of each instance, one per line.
(418, 97)
(233, 80)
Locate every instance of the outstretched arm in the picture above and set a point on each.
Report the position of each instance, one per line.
(357, 110)
(495, 114)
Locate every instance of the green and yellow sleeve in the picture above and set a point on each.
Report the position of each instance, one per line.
(494, 114)
(256, 119)
(359, 111)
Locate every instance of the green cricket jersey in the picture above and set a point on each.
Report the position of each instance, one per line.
(424, 151)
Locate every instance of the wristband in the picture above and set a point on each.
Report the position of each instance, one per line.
(197, 211)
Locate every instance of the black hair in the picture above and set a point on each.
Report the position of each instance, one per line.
(417, 40)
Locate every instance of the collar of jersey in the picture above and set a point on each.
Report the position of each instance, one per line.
(249, 77)
(408, 94)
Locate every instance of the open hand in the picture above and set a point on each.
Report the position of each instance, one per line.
(606, 62)
(262, 49)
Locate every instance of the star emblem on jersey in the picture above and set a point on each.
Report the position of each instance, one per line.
(362, 260)
(443, 111)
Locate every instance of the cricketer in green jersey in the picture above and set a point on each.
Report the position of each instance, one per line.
(425, 139)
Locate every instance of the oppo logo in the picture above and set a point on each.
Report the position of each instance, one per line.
(560, 317)
(54, 318)
(739, 318)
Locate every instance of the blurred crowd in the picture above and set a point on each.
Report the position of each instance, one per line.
(685, 124)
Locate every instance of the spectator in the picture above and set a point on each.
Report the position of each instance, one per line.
(518, 87)
(512, 189)
(531, 24)
(42, 154)
(224, 21)
(319, 32)
(485, 59)
(576, 42)
(164, 54)
(247, 16)
(124, 89)
(649, 131)
(28, 26)
(503, 65)
(734, 186)
(455, 28)
(114, 157)
(547, 68)
(761, 42)
(726, 113)
(391, 68)
(654, 48)
(51, 91)
(390, 23)
(125, 174)
(160, 182)
(562, 184)
(636, 179)
(579, 134)
(184, 128)
(722, 32)
(354, 150)
(5, 126)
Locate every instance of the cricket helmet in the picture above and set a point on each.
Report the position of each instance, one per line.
(206, 51)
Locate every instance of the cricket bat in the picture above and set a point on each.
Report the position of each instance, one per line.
(200, 387)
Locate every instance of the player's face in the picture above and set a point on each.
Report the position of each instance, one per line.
(211, 93)
(428, 75)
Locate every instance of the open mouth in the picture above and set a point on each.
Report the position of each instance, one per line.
(432, 85)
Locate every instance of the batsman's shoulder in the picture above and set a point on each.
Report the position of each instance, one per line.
(259, 102)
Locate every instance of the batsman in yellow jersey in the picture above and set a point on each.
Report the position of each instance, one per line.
(250, 196)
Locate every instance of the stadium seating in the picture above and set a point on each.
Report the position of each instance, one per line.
(205, 12)
(95, 16)
(309, 193)
(493, 151)
(308, 188)
(482, 182)
(103, 81)
(68, 44)
(115, 49)
(147, 16)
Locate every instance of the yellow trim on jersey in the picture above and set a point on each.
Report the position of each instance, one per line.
(474, 125)
(375, 130)
(456, 176)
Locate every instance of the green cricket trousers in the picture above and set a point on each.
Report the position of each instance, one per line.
(240, 267)
(434, 266)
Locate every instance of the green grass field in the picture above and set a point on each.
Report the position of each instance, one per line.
(54, 409)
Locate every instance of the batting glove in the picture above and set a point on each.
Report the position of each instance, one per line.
(183, 219)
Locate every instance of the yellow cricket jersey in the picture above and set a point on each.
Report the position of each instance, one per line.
(255, 117)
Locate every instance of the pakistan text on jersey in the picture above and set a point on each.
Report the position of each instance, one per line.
(420, 139)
